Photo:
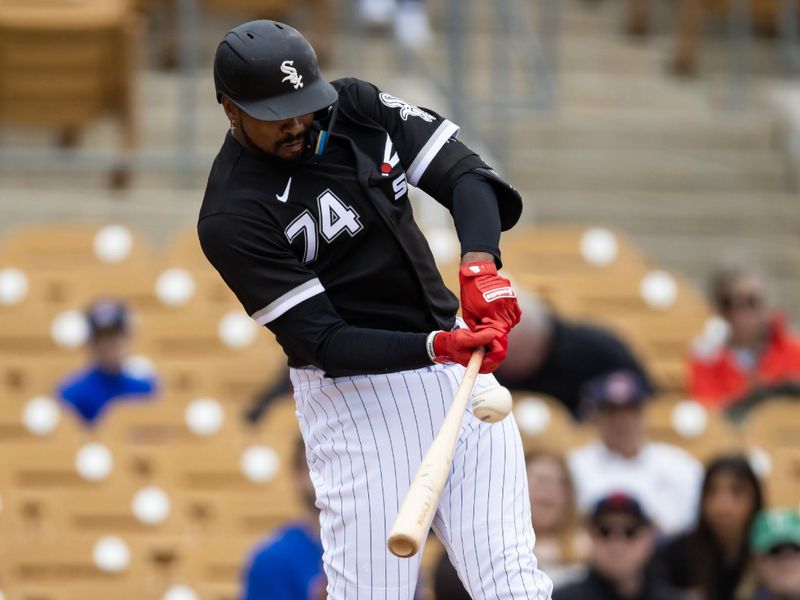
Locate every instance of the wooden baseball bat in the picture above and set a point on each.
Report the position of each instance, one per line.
(414, 518)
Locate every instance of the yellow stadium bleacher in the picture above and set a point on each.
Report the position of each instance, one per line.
(562, 249)
(684, 423)
(775, 422)
(63, 63)
(545, 423)
(231, 487)
(52, 246)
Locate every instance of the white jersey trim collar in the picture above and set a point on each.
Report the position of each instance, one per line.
(287, 301)
(444, 132)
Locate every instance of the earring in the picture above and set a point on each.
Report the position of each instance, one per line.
(233, 128)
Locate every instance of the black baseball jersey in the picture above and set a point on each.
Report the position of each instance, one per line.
(336, 231)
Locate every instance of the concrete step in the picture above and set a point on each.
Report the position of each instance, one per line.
(736, 211)
(613, 128)
(547, 169)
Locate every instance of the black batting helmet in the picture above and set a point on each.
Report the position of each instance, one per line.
(270, 71)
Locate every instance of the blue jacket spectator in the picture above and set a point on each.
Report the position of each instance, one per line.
(287, 567)
(105, 380)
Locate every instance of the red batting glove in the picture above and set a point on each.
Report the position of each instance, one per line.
(495, 352)
(457, 346)
(487, 298)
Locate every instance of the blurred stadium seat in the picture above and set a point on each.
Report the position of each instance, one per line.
(226, 482)
(775, 422)
(65, 63)
(545, 423)
(691, 426)
(52, 246)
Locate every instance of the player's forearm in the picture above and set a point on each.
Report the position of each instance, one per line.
(477, 219)
(357, 351)
(315, 333)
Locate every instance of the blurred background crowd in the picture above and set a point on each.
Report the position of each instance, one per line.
(148, 440)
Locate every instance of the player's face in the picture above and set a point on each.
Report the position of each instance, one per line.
(285, 140)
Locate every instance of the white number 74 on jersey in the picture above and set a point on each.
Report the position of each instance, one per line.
(334, 218)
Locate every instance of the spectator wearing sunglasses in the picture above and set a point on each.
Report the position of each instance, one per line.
(775, 540)
(623, 539)
(713, 562)
(755, 351)
(663, 477)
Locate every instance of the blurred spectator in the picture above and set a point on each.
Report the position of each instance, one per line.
(107, 378)
(561, 543)
(288, 565)
(712, 560)
(623, 539)
(551, 356)
(757, 351)
(408, 18)
(663, 477)
(775, 541)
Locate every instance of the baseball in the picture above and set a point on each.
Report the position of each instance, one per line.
(492, 404)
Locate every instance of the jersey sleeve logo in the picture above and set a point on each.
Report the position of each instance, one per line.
(291, 74)
(406, 109)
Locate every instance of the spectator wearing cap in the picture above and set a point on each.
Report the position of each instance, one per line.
(623, 539)
(712, 562)
(663, 477)
(754, 352)
(775, 540)
(548, 355)
(106, 379)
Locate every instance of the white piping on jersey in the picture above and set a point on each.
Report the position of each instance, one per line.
(388, 157)
(444, 132)
(289, 300)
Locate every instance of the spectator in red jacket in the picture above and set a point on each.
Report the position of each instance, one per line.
(754, 351)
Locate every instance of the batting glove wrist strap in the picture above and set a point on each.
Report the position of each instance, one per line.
(429, 344)
(457, 346)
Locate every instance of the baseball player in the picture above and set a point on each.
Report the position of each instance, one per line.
(306, 216)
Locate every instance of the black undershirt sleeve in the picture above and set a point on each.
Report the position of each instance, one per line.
(315, 332)
(476, 215)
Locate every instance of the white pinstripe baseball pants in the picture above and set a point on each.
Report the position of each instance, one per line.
(365, 437)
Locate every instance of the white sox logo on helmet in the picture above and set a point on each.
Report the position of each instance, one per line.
(291, 74)
(406, 109)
